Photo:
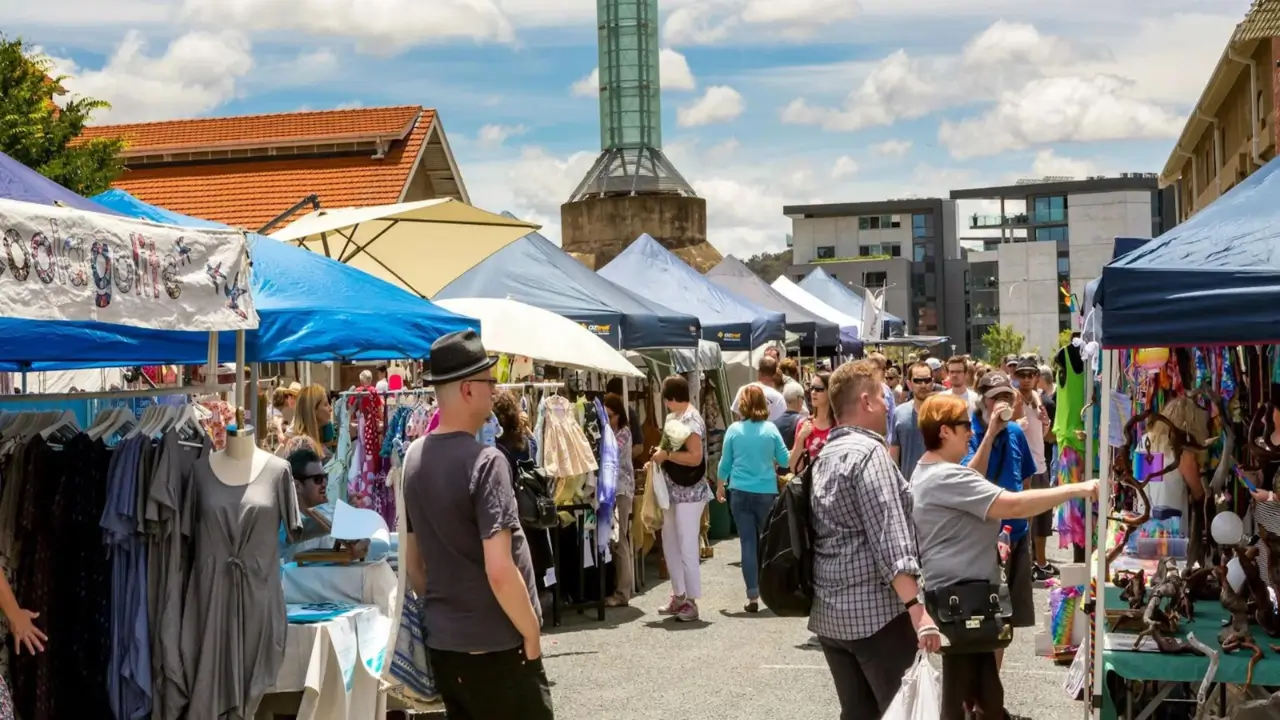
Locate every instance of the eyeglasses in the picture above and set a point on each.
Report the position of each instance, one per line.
(968, 426)
(817, 388)
(317, 479)
(490, 382)
(922, 381)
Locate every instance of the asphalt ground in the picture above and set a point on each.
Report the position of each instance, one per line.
(731, 665)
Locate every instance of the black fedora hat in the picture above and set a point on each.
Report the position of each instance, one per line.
(456, 356)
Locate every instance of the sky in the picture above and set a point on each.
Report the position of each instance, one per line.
(765, 103)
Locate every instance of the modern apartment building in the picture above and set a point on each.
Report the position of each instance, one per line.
(899, 245)
(1052, 231)
(1232, 131)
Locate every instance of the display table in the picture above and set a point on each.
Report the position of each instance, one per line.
(1167, 668)
(334, 656)
(360, 583)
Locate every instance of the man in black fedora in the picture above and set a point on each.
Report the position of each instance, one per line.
(465, 554)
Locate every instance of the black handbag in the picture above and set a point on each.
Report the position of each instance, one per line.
(534, 499)
(684, 475)
(970, 615)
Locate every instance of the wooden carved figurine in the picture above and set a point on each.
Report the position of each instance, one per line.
(1236, 635)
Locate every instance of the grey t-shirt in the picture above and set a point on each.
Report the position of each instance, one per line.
(457, 493)
(907, 438)
(956, 541)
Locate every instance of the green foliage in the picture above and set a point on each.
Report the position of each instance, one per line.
(769, 266)
(1064, 339)
(37, 132)
(1001, 340)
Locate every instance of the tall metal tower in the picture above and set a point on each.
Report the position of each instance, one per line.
(631, 159)
(632, 188)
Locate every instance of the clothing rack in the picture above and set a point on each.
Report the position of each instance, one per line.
(118, 394)
(531, 386)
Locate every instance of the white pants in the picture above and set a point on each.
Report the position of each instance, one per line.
(681, 530)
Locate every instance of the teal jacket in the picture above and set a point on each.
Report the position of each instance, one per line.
(751, 450)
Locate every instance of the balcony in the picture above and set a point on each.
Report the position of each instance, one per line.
(1043, 216)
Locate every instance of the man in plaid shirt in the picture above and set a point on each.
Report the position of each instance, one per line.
(866, 608)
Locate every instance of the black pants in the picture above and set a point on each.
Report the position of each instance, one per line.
(492, 686)
(971, 679)
(868, 672)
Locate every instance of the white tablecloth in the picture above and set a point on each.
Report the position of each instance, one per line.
(365, 584)
(336, 666)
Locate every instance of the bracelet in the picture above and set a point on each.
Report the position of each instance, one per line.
(911, 603)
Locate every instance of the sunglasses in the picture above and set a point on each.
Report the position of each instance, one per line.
(317, 479)
(967, 425)
(817, 388)
(922, 381)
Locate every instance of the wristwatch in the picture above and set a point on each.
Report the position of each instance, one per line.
(911, 603)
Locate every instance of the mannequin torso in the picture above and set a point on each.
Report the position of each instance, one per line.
(241, 462)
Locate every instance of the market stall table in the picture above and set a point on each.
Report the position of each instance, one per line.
(333, 657)
(1168, 668)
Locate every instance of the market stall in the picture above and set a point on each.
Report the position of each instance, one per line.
(832, 292)
(850, 328)
(650, 270)
(535, 271)
(1207, 288)
(814, 331)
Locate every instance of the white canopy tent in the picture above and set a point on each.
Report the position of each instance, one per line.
(512, 327)
(801, 297)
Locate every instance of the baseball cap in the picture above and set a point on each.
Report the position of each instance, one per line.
(933, 363)
(295, 388)
(1009, 359)
(994, 383)
(1028, 364)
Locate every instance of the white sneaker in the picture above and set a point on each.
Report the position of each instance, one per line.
(673, 606)
(688, 612)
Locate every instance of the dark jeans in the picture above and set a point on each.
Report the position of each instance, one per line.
(868, 672)
(492, 686)
(971, 679)
(750, 512)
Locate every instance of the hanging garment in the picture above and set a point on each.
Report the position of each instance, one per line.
(234, 624)
(168, 567)
(129, 673)
(562, 446)
(339, 467)
(410, 665)
(1067, 423)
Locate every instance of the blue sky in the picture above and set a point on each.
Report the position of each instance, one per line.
(765, 102)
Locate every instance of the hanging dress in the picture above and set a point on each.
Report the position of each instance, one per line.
(562, 443)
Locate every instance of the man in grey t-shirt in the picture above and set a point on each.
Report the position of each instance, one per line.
(465, 554)
(907, 445)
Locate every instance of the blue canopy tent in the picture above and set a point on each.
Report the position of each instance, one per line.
(832, 292)
(299, 320)
(19, 182)
(1091, 304)
(536, 272)
(1214, 279)
(815, 332)
(650, 270)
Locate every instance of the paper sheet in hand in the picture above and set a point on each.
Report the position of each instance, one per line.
(351, 523)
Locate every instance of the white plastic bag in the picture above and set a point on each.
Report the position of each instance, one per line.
(658, 479)
(920, 697)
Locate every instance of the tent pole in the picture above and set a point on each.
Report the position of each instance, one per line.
(1104, 502)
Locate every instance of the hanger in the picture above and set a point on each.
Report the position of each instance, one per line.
(63, 428)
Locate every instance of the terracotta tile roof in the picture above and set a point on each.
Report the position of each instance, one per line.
(250, 193)
(260, 130)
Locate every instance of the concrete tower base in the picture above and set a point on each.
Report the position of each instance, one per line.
(596, 230)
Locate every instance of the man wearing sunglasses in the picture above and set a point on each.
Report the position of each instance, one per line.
(907, 444)
(310, 479)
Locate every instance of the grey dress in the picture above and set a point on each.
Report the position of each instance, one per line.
(234, 622)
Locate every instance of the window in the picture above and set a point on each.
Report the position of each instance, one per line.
(917, 251)
(920, 225)
(1064, 321)
(931, 285)
(1051, 234)
(826, 252)
(1051, 209)
(864, 223)
(895, 250)
(875, 280)
(894, 221)
(1064, 265)
(864, 251)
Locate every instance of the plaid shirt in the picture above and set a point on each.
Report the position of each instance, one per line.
(863, 536)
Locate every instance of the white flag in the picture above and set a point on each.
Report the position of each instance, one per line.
(872, 315)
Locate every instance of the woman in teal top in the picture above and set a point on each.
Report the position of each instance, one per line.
(753, 449)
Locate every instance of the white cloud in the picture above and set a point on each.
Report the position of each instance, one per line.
(1060, 109)
(1049, 164)
(844, 167)
(382, 27)
(892, 148)
(492, 136)
(673, 70)
(196, 73)
(588, 86)
(708, 22)
(719, 104)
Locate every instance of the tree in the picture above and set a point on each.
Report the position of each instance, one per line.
(769, 265)
(41, 133)
(1001, 340)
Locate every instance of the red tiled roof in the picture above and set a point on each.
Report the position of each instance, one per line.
(259, 130)
(251, 193)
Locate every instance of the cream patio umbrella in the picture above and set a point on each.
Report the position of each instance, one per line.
(420, 246)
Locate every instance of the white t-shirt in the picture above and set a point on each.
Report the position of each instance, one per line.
(970, 396)
(777, 403)
(1034, 430)
(382, 386)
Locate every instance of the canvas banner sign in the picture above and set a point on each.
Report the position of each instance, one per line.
(63, 264)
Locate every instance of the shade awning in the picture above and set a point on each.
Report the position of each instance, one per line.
(831, 291)
(514, 328)
(420, 246)
(850, 328)
(733, 275)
